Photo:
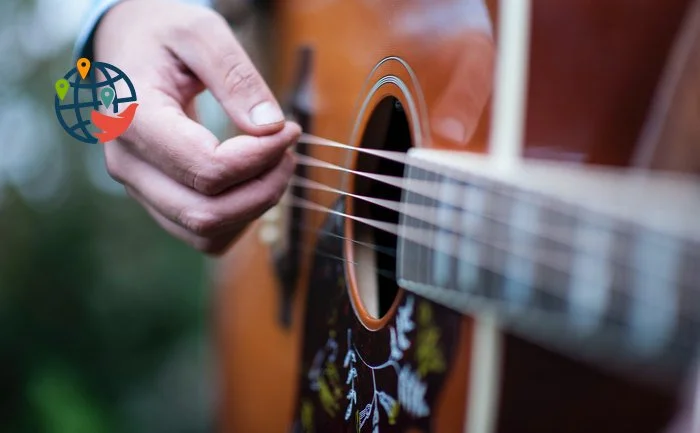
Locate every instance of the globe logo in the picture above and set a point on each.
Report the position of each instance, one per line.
(86, 93)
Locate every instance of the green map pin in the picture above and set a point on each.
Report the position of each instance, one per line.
(62, 87)
(107, 96)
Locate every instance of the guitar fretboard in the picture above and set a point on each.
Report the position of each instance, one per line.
(597, 261)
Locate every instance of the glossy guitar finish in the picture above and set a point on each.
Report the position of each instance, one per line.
(420, 73)
(354, 375)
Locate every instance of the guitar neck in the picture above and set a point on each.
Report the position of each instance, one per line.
(597, 261)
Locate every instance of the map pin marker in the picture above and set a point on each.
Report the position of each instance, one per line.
(107, 96)
(62, 87)
(83, 65)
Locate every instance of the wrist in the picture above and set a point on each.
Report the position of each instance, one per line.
(84, 43)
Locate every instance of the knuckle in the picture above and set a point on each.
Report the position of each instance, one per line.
(201, 221)
(209, 18)
(239, 74)
(276, 185)
(208, 180)
(191, 29)
(273, 194)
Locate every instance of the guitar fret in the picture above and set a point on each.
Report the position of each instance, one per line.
(490, 259)
(654, 309)
(594, 279)
(442, 262)
(472, 221)
(552, 282)
(431, 252)
(589, 300)
(521, 269)
(686, 327)
(417, 249)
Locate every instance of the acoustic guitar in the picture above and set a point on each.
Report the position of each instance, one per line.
(492, 227)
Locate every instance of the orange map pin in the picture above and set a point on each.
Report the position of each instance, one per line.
(83, 66)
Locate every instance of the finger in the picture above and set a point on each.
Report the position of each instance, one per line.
(189, 153)
(215, 245)
(209, 48)
(199, 214)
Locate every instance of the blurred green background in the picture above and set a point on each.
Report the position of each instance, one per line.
(103, 316)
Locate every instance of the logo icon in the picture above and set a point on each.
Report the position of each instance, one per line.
(89, 90)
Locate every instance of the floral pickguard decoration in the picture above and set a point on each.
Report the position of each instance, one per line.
(409, 396)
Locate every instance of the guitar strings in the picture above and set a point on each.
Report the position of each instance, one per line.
(395, 156)
(557, 232)
(425, 188)
(614, 311)
(426, 236)
(391, 252)
(329, 255)
(488, 263)
(323, 253)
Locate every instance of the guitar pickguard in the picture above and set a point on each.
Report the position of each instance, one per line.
(355, 379)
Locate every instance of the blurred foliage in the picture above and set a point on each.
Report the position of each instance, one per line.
(102, 314)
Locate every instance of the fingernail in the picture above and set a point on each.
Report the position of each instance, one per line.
(266, 113)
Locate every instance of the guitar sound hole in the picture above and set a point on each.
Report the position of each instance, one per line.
(375, 249)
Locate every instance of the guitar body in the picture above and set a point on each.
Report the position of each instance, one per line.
(314, 333)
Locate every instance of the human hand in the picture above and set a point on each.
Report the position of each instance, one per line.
(200, 190)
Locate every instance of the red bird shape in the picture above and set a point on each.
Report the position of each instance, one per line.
(113, 127)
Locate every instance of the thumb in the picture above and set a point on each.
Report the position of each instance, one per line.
(212, 52)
